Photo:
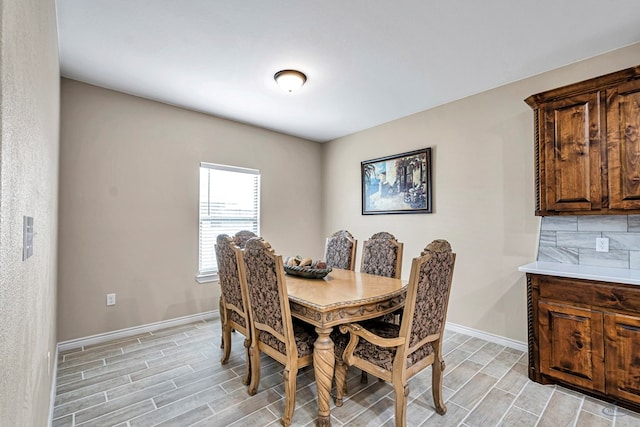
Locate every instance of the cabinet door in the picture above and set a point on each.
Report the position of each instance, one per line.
(571, 344)
(572, 151)
(623, 145)
(623, 356)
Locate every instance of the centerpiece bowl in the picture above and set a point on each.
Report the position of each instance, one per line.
(306, 272)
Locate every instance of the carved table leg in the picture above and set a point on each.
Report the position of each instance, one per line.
(323, 364)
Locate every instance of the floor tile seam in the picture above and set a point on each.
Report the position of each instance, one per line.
(513, 403)
(487, 393)
(172, 381)
(83, 363)
(89, 359)
(83, 408)
(116, 368)
(469, 379)
(546, 405)
(599, 415)
(577, 416)
(111, 412)
(183, 397)
(101, 391)
(60, 375)
(619, 413)
(436, 414)
(457, 346)
(367, 408)
(240, 419)
(509, 367)
(137, 391)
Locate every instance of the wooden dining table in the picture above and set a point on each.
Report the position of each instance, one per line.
(343, 296)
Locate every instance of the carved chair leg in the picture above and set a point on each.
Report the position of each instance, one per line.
(222, 321)
(226, 340)
(363, 378)
(247, 375)
(341, 380)
(436, 384)
(254, 356)
(401, 393)
(290, 377)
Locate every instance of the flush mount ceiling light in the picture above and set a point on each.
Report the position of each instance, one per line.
(290, 80)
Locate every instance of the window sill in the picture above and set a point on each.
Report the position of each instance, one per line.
(206, 278)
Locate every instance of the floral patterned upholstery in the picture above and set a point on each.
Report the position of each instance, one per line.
(340, 250)
(262, 283)
(234, 312)
(380, 356)
(433, 291)
(368, 345)
(241, 237)
(273, 330)
(303, 334)
(235, 317)
(228, 274)
(380, 255)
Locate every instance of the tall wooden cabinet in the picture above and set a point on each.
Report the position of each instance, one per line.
(585, 334)
(587, 147)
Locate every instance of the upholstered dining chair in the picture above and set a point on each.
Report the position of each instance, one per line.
(234, 312)
(239, 239)
(273, 330)
(340, 250)
(396, 353)
(382, 255)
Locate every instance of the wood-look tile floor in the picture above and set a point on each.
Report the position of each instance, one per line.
(173, 377)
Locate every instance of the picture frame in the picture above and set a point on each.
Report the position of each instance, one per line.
(397, 184)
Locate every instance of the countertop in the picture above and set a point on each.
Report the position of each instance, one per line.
(604, 274)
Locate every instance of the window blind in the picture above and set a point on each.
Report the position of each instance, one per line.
(229, 202)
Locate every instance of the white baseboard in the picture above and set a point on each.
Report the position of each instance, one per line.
(136, 330)
(497, 339)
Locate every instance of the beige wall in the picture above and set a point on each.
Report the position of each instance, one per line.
(29, 113)
(129, 205)
(483, 184)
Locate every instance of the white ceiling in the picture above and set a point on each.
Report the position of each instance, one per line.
(367, 61)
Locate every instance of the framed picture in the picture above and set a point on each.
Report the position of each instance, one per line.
(397, 184)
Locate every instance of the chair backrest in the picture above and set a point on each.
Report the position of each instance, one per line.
(382, 255)
(425, 309)
(340, 250)
(241, 237)
(228, 274)
(268, 298)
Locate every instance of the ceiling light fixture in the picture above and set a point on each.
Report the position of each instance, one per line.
(290, 80)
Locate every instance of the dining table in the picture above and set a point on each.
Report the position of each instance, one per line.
(343, 296)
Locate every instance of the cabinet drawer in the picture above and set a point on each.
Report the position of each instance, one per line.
(589, 293)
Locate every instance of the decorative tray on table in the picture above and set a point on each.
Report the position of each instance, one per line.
(297, 266)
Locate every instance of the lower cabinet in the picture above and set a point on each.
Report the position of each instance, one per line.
(572, 345)
(623, 356)
(585, 334)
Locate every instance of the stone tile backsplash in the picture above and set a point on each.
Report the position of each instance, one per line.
(572, 240)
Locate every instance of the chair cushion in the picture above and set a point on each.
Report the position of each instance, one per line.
(380, 356)
(304, 334)
(235, 317)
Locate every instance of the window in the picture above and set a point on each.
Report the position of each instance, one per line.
(229, 202)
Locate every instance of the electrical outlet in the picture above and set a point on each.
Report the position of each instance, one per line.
(602, 244)
(111, 299)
